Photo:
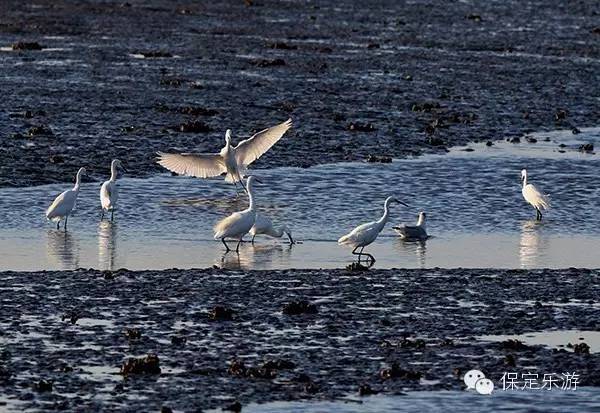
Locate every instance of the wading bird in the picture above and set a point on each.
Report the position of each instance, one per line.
(109, 192)
(232, 160)
(238, 224)
(413, 232)
(534, 196)
(365, 234)
(264, 225)
(64, 204)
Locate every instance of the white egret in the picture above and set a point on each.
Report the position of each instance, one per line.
(64, 204)
(109, 192)
(264, 225)
(365, 234)
(239, 223)
(232, 160)
(413, 232)
(534, 196)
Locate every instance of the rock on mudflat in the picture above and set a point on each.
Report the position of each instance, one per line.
(144, 365)
(27, 46)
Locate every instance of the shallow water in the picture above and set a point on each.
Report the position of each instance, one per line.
(477, 217)
(554, 339)
(580, 400)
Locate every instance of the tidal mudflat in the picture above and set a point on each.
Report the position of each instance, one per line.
(381, 78)
(438, 104)
(69, 339)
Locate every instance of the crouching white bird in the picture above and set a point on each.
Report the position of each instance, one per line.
(109, 192)
(238, 224)
(64, 204)
(413, 232)
(365, 234)
(232, 160)
(534, 196)
(264, 225)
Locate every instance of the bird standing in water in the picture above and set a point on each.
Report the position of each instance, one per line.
(238, 224)
(232, 160)
(64, 204)
(365, 234)
(264, 225)
(109, 192)
(413, 232)
(534, 196)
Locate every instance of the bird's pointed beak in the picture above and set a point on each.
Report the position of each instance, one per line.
(124, 169)
(257, 180)
(402, 203)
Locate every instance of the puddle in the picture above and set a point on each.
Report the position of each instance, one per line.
(582, 399)
(554, 339)
(477, 217)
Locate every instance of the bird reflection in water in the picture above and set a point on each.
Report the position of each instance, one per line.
(265, 256)
(62, 249)
(532, 244)
(107, 245)
(416, 247)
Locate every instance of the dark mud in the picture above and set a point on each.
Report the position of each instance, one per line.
(88, 340)
(414, 77)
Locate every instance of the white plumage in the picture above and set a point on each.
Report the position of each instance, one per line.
(238, 224)
(365, 234)
(64, 203)
(264, 225)
(232, 160)
(534, 196)
(109, 191)
(413, 232)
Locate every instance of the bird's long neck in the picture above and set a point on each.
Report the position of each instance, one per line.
(386, 213)
(77, 181)
(524, 179)
(251, 206)
(421, 222)
(113, 172)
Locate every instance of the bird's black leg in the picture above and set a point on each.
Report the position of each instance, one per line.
(112, 215)
(102, 214)
(66, 219)
(237, 248)
(226, 246)
(371, 257)
(357, 253)
(253, 236)
(361, 252)
(242, 182)
(538, 214)
(58, 224)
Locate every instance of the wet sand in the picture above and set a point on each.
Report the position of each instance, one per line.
(360, 78)
(75, 330)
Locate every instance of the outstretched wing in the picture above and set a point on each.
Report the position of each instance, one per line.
(249, 150)
(200, 166)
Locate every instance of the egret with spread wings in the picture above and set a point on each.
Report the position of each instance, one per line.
(232, 160)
